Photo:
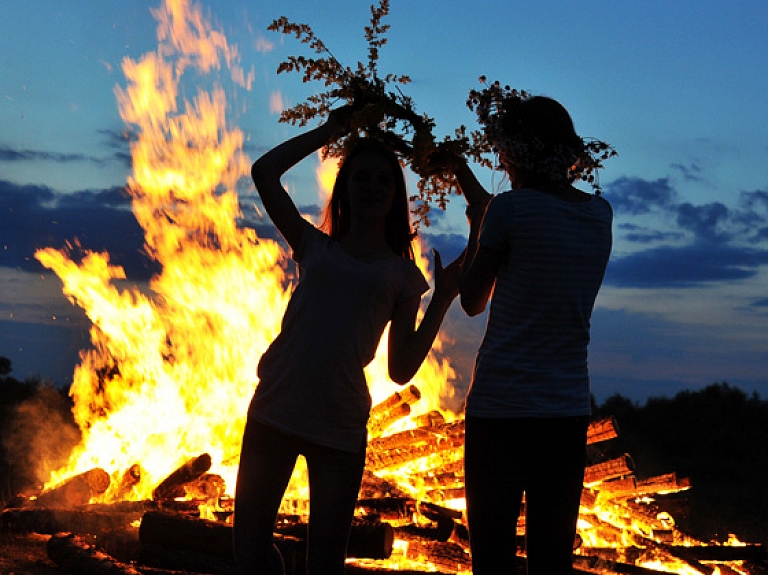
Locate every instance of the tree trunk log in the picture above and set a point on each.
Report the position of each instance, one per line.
(77, 490)
(173, 485)
(75, 556)
(77, 521)
(369, 541)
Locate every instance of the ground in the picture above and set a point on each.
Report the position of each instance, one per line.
(26, 555)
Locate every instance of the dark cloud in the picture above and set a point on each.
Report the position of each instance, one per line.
(34, 217)
(707, 243)
(685, 266)
(635, 196)
(643, 235)
(752, 215)
(117, 141)
(707, 222)
(11, 155)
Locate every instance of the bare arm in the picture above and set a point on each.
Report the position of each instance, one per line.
(408, 345)
(474, 192)
(269, 168)
(480, 267)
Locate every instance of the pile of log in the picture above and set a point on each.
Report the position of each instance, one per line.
(409, 519)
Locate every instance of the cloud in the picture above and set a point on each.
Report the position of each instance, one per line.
(10, 155)
(642, 235)
(707, 222)
(118, 141)
(34, 217)
(685, 266)
(690, 173)
(706, 243)
(635, 196)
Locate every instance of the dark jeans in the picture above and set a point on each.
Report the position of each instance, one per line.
(266, 462)
(544, 458)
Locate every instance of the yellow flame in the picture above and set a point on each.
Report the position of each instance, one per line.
(173, 364)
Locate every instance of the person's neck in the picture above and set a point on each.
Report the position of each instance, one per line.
(563, 190)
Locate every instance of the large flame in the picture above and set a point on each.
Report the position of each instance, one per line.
(173, 366)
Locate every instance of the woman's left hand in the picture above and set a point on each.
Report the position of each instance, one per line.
(447, 278)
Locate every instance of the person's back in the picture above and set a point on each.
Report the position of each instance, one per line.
(533, 360)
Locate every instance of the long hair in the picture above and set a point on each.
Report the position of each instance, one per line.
(336, 218)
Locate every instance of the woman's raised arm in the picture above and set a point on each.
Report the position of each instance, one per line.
(269, 168)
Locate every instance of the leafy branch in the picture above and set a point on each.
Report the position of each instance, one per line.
(378, 111)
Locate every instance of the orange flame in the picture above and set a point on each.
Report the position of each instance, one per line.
(174, 363)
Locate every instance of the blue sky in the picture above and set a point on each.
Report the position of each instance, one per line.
(677, 87)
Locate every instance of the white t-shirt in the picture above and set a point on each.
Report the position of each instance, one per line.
(533, 358)
(311, 379)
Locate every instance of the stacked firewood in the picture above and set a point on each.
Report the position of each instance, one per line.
(410, 513)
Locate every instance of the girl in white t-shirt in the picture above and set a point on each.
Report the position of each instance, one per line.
(356, 274)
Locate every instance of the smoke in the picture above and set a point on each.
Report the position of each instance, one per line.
(39, 436)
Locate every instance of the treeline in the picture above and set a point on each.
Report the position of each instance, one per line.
(717, 437)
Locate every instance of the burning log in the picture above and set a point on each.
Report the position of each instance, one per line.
(667, 483)
(209, 487)
(602, 430)
(400, 448)
(81, 521)
(162, 529)
(447, 555)
(76, 556)
(376, 487)
(395, 407)
(173, 485)
(131, 478)
(77, 490)
(613, 468)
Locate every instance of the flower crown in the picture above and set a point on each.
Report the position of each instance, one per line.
(517, 146)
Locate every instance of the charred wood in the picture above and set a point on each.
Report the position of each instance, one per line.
(371, 541)
(186, 533)
(76, 556)
(750, 552)
(78, 521)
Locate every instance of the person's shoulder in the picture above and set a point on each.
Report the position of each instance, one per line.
(603, 203)
(312, 238)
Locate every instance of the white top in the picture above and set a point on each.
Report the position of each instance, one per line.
(312, 382)
(533, 358)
